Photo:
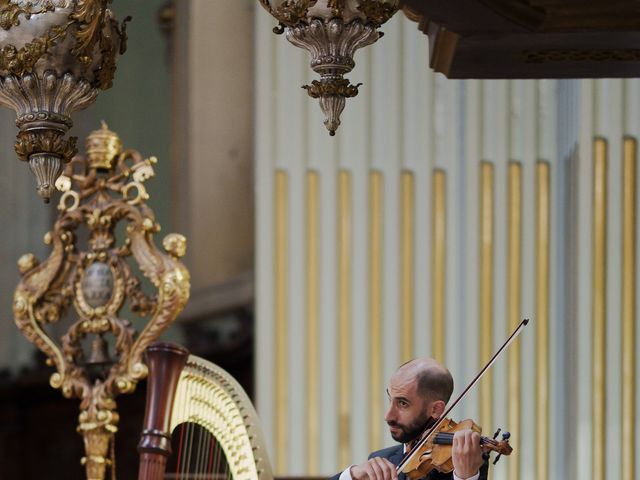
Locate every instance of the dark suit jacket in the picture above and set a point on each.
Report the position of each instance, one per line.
(394, 455)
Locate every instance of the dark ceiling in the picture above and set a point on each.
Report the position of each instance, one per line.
(530, 39)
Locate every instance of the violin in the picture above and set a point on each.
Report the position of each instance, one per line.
(435, 453)
(434, 449)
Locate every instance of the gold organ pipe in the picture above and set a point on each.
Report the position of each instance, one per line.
(313, 355)
(438, 261)
(599, 307)
(281, 287)
(344, 316)
(375, 310)
(514, 304)
(486, 286)
(406, 278)
(629, 217)
(543, 238)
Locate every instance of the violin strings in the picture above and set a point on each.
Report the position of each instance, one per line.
(448, 436)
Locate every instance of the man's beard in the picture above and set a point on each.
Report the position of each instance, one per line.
(413, 430)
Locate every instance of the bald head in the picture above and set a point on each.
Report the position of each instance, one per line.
(433, 381)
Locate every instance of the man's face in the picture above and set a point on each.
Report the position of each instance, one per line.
(408, 413)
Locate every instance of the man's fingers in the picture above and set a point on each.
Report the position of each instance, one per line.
(380, 469)
(388, 468)
(384, 469)
(466, 440)
(466, 454)
(459, 440)
(377, 468)
(472, 440)
(377, 473)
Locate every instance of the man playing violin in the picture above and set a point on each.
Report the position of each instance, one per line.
(418, 393)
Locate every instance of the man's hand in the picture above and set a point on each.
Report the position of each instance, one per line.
(466, 453)
(376, 468)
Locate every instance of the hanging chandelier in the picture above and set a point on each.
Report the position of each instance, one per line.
(331, 30)
(55, 57)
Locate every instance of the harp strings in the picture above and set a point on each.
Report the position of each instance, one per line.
(199, 455)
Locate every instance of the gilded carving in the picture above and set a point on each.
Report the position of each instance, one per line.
(28, 143)
(70, 56)
(336, 6)
(338, 87)
(9, 12)
(22, 61)
(90, 16)
(376, 11)
(289, 12)
(93, 281)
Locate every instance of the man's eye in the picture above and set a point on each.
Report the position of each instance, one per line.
(403, 403)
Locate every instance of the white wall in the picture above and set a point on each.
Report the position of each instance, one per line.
(318, 267)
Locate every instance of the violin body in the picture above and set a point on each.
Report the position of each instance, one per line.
(436, 451)
(434, 454)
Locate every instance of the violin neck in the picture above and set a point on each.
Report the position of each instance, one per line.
(446, 438)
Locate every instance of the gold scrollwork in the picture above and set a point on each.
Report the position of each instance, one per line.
(21, 61)
(289, 12)
(90, 15)
(88, 23)
(64, 204)
(99, 203)
(141, 193)
(9, 13)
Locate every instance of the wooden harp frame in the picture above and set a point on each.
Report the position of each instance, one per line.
(183, 388)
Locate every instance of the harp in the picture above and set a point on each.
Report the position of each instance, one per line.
(215, 425)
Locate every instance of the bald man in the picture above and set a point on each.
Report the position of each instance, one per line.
(418, 393)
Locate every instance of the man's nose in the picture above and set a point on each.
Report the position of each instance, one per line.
(390, 415)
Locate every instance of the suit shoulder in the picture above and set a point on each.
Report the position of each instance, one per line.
(386, 452)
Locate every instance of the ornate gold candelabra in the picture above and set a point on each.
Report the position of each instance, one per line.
(55, 57)
(90, 268)
(331, 31)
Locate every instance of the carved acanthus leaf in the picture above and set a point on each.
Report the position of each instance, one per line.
(48, 141)
(338, 87)
(91, 16)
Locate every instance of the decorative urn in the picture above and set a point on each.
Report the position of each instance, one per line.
(55, 57)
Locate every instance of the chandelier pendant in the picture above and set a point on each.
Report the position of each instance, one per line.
(55, 58)
(331, 31)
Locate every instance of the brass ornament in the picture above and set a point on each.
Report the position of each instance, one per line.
(331, 31)
(55, 57)
(90, 281)
(103, 146)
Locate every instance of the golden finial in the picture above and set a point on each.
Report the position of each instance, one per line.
(103, 146)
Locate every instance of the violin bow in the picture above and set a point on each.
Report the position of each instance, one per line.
(434, 427)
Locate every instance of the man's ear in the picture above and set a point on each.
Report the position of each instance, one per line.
(437, 408)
